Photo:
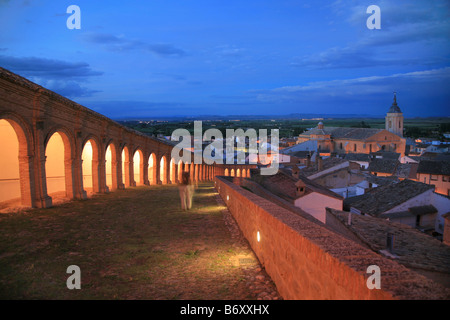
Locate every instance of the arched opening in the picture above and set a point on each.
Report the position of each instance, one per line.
(137, 165)
(227, 172)
(192, 172)
(238, 172)
(125, 167)
(180, 170)
(9, 164)
(152, 169)
(110, 175)
(55, 171)
(232, 172)
(89, 156)
(163, 170)
(172, 171)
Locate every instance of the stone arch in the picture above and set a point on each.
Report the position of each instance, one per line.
(238, 172)
(232, 174)
(180, 170)
(111, 160)
(172, 171)
(227, 172)
(60, 152)
(152, 169)
(138, 167)
(125, 165)
(20, 185)
(90, 165)
(163, 169)
(191, 172)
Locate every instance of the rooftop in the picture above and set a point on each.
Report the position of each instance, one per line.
(283, 184)
(434, 167)
(327, 163)
(413, 248)
(384, 198)
(383, 165)
(343, 133)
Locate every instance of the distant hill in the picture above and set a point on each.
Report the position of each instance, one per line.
(292, 116)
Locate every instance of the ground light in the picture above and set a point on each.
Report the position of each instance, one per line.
(258, 236)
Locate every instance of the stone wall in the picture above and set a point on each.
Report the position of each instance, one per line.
(307, 261)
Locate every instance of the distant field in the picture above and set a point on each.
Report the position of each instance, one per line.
(414, 127)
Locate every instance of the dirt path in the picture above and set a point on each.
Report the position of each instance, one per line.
(131, 244)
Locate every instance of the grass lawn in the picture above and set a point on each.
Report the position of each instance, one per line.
(130, 244)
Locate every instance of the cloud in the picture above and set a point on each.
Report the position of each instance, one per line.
(414, 82)
(407, 28)
(48, 68)
(62, 77)
(119, 43)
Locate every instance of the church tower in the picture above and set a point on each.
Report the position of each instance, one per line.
(394, 118)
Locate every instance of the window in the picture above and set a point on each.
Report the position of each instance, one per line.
(354, 147)
(433, 177)
(399, 124)
(445, 178)
(340, 145)
(370, 148)
(390, 124)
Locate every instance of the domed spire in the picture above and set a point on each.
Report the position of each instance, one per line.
(395, 108)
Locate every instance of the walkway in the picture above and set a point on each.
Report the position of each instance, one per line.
(130, 244)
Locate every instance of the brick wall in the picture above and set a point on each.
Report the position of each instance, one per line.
(307, 261)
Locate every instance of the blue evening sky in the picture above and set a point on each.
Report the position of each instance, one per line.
(195, 57)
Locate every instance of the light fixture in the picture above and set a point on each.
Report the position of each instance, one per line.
(258, 236)
(228, 197)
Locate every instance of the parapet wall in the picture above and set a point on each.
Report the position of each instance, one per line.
(307, 261)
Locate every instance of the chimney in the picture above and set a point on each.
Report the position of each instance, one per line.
(390, 242)
(295, 171)
(301, 188)
(319, 163)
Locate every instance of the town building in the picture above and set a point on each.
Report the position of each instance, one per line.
(291, 185)
(409, 202)
(342, 140)
(436, 173)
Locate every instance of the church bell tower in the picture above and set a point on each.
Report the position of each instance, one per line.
(394, 118)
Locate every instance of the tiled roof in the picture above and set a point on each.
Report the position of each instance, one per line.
(357, 157)
(343, 133)
(434, 167)
(386, 155)
(413, 248)
(384, 198)
(383, 165)
(327, 163)
(406, 170)
(380, 181)
(301, 154)
(283, 184)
